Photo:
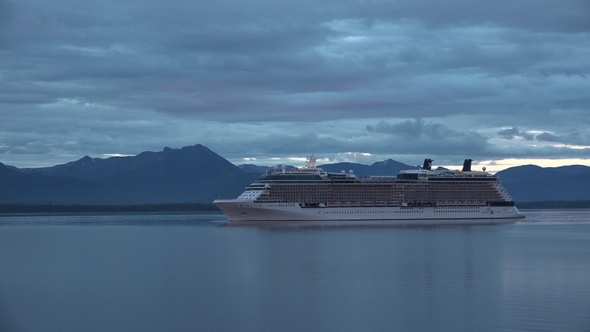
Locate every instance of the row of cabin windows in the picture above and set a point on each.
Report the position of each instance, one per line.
(371, 212)
(380, 195)
(433, 192)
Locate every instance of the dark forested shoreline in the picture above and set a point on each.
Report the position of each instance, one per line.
(77, 208)
(581, 204)
(198, 207)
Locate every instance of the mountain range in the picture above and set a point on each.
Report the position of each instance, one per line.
(195, 174)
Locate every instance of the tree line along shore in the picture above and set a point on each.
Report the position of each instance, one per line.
(202, 207)
(111, 208)
(581, 204)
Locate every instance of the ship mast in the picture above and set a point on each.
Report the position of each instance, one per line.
(311, 161)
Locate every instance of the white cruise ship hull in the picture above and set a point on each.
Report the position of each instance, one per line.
(240, 212)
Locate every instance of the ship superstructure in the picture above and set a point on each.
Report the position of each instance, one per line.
(416, 196)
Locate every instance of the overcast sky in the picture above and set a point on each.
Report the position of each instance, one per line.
(503, 82)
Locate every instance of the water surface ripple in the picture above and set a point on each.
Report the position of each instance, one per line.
(188, 272)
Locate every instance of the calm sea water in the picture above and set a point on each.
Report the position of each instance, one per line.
(188, 272)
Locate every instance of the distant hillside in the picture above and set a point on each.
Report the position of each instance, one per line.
(255, 169)
(190, 174)
(17, 187)
(195, 174)
(534, 183)
(250, 168)
(386, 167)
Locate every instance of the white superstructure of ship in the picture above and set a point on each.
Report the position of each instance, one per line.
(311, 196)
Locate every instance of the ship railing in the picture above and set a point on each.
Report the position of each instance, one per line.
(461, 203)
(377, 179)
(503, 191)
(343, 203)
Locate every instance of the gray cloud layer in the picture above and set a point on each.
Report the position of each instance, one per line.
(268, 79)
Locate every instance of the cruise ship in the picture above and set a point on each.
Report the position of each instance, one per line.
(311, 196)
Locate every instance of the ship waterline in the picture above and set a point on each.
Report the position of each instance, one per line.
(252, 213)
(312, 196)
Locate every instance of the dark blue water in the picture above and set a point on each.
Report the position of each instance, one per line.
(187, 272)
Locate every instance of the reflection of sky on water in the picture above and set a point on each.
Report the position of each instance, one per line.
(158, 272)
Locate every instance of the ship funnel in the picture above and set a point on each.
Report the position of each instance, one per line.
(427, 164)
(467, 165)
